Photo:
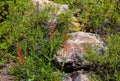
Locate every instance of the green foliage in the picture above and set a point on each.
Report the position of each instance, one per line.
(3, 10)
(106, 66)
(64, 21)
(28, 30)
(99, 15)
(22, 26)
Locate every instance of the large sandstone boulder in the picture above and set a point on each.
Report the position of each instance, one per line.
(76, 49)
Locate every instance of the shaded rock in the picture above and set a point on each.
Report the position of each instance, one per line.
(66, 78)
(74, 56)
(80, 76)
(77, 76)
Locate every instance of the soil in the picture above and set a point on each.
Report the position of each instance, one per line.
(4, 76)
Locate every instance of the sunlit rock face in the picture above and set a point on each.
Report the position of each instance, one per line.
(76, 48)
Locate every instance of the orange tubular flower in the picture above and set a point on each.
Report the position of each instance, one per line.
(52, 35)
(65, 37)
(20, 56)
(65, 46)
(52, 28)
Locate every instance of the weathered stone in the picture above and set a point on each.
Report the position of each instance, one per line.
(76, 49)
(66, 78)
(80, 76)
(45, 3)
(77, 76)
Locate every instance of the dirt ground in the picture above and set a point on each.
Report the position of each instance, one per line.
(4, 76)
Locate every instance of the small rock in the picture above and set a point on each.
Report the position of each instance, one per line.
(74, 19)
(75, 27)
(67, 78)
(76, 24)
(80, 76)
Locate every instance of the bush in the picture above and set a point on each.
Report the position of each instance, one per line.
(106, 66)
(3, 10)
(98, 16)
(26, 39)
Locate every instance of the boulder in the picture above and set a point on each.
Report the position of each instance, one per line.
(59, 8)
(76, 49)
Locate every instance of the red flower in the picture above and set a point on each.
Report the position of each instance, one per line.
(64, 32)
(52, 28)
(18, 50)
(52, 35)
(65, 37)
(20, 56)
(65, 47)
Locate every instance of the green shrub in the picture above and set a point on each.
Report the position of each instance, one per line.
(106, 66)
(98, 16)
(3, 10)
(30, 32)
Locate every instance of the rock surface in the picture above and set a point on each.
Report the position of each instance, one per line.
(77, 76)
(75, 52)
(80, 76)
(44, 3)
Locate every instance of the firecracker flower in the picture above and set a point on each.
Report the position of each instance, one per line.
(65, 44)
(52, 28)
(52, 35)
(65, 47)
(20, 56)
(65, 38)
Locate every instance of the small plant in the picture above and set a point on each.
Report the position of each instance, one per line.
(99, 17)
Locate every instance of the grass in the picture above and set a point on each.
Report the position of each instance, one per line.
(21, 27)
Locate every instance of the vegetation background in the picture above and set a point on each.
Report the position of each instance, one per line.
(24, 32)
